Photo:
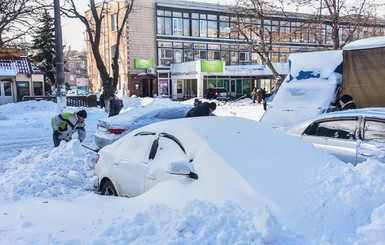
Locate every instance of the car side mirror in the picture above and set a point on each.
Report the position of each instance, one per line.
(181, 168)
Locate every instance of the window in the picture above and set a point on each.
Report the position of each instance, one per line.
(72, 78)
(341, 129)
(374, 131)
(114, 22)
(177, 27)
(195, 28)
(165, 55)
(244, 58)
(200, 54)
(113, 49)
(212, 29)
(203, 28)
(177, 55)
(37, 88)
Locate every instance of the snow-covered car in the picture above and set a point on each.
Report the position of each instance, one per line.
(352, 135)
(193, 149)
(112, 128)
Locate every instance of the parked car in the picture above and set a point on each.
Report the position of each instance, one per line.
(193, 151)
(217, 93)
(112, 128)
(352, 135)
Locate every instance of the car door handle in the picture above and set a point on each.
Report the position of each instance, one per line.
(366, 154)
(152, 177)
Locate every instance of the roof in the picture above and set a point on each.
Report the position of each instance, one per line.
(19, 65)
(367, 43)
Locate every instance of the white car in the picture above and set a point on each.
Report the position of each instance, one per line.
(200, 149)
(112, 128)
(351, 135)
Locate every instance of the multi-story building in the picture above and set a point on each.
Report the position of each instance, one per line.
(179, 48)
(75, 68)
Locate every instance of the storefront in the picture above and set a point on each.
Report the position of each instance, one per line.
(191, 79)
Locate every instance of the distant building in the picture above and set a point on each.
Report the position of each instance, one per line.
(75, 67)
(178, 49)
(19, 77)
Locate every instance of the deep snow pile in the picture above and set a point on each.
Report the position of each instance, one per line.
(48, 196)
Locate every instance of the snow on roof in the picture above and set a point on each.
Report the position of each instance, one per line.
(7, 72)
(367, 43)
(21, 65)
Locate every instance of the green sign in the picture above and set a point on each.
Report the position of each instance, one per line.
(143, 64)
(211, 66)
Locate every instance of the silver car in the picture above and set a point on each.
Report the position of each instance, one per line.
(352, 135)
(113, 128)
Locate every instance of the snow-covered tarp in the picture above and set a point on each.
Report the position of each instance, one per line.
(308, 90)
(367, 43)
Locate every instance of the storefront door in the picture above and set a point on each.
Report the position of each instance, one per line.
(232, 88)
(6, 93)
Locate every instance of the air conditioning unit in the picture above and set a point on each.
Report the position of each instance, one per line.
(150, 71)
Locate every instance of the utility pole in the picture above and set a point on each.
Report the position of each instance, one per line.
(59, 57)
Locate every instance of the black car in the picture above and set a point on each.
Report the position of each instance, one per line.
(217, 93)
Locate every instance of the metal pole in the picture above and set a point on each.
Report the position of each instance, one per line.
(59, 56)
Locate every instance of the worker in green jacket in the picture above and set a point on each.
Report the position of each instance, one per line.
(66, 124)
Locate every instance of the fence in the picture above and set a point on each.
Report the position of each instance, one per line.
(76, 101)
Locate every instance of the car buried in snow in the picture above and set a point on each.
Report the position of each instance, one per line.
(192, 151)
(352, 135)
(112, 128)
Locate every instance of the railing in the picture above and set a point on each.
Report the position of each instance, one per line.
(72, 100)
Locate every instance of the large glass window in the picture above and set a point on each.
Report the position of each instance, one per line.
(177, 55)
(195, 28)
(177, 26)
(165, 56)
(212, 29)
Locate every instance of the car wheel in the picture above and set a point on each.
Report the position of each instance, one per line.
(108, 189)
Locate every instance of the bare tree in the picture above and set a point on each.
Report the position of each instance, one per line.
(17, 17)
(347, 19)
(94, 34)
(248, 19)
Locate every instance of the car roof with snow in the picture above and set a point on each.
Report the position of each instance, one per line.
(212, 152)
(144, 112)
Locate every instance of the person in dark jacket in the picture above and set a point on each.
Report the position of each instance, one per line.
(346, 102)
(204, 109)
(197, 102)
(114, 106)
(101, 99)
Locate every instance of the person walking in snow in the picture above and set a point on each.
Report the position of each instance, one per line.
(204, 109)
(114, 106)
(254, 95)
(66, 124)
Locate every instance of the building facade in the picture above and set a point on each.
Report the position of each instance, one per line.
(19, 77)
(75, 70)
(178, 49)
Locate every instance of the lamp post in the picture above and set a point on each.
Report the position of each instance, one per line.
(59, 57)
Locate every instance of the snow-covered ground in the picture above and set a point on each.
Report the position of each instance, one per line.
(48, 195)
